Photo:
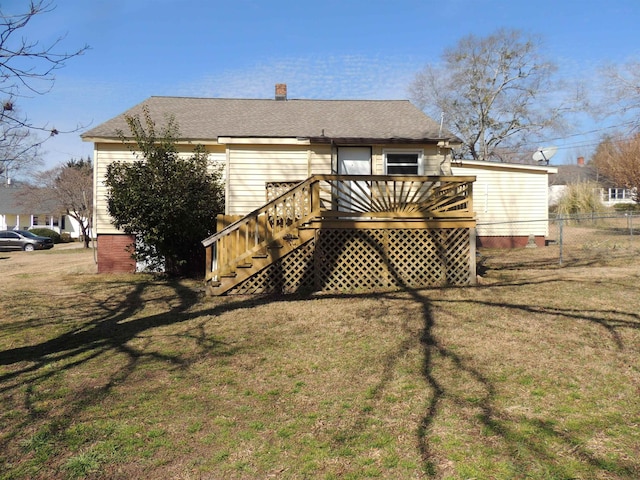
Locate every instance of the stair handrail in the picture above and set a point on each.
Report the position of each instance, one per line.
(262, 226)
(264, 208)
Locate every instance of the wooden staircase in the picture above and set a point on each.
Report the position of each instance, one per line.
(274, 251)
(244, 247)
(254, 242)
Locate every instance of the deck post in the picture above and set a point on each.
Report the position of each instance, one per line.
(473, 278)
(208, 262)
(314, 191)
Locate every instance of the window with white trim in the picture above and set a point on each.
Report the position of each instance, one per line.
(618, 194)
(403, 162)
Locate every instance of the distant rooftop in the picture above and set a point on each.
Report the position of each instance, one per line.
(14, 201)
(570, 174)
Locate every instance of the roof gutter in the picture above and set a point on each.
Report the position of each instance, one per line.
(446, 143)
(263, 141)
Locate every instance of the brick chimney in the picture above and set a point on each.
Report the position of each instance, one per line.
(281, 91)
(581, 161)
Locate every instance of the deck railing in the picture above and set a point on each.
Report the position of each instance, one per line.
(337, 197)
(386, 196)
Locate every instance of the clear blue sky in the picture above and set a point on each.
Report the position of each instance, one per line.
(326, 49)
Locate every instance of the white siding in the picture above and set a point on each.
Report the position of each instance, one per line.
(104, 155)
(321, 159)
(508, 201)
(107, 153)
(251, 167)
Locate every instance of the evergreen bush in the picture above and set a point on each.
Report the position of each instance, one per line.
(47, 232)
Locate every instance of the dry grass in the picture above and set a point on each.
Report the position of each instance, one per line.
(534, 373)
(581, 197)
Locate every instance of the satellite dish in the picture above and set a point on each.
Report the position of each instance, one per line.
(544, 154)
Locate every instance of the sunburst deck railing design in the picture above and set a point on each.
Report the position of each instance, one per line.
(354, 198)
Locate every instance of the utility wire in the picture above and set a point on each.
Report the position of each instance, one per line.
(575, 145)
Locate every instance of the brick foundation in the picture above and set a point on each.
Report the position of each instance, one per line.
(508, 242)
(114, 254)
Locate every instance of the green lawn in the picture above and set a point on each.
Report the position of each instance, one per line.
(534, 373)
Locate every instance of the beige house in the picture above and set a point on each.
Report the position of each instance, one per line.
(335, 179)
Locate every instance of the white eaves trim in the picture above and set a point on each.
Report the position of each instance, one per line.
(504, 166)
(262, 141)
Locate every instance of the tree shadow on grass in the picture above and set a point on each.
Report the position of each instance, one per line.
(517, 436)
(28, 372)
(521, 438)
(115, 327)
(121, 321)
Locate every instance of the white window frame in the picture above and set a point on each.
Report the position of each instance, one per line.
(418, 152)
(618, 194)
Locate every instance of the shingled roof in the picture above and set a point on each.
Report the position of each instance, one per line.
(207, 119)
(15, 200)
(570, 174)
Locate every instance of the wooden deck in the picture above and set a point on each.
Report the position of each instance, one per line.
(346, 233)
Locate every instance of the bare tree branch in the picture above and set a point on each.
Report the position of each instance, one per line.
(27, 68)
(495, 92)
(70, 188)
(620, 87)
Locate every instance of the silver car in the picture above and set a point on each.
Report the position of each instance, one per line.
(23, 240)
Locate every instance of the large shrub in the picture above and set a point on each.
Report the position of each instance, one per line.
(580, 198)
(627, 208)
(169, 202)
(47, 232)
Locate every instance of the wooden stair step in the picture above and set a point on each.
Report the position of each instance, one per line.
(258, 261)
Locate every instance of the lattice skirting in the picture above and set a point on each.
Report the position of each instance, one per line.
(343, 260)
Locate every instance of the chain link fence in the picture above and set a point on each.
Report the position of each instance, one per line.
(588, 237)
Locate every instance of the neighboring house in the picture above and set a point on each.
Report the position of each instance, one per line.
(14, 215)
(511, 202)
(610, 193)
(320, 194)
